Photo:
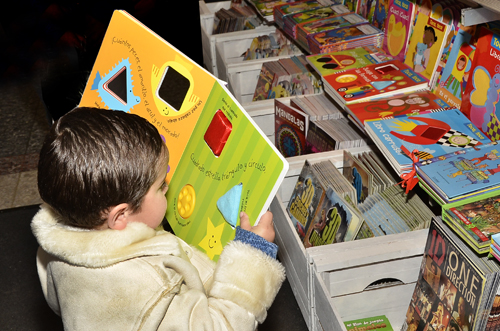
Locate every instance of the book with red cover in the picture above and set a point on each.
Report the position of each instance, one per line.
(373, 81)
(291, 125)
(480, 100)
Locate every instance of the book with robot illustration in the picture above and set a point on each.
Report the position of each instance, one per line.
(221, 163)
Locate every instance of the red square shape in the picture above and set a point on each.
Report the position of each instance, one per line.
(218, 132)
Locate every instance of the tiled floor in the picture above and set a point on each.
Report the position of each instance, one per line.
(23, 125)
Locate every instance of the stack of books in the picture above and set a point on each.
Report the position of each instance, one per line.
(339, 39)
(273, 44)
(236, 18)
(431, 134)
(282, 11)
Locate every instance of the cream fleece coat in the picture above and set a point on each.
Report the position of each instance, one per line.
(142, 279)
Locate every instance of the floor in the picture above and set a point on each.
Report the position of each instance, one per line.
(23, 125)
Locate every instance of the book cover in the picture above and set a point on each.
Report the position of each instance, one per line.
(217, 152)
(462, 174)
(330, 63)
(305, 200)
(426, 45)
(397, 28)
(402, 104)
(455, 288)
(432, 134)
(290, 128)
(358, 175)
(480, 100)
(475, 219)
(292, 22)
(380, 323)
(455, 73)
(373, 81)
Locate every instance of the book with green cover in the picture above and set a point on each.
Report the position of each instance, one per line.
(221, 162)
(369, 323)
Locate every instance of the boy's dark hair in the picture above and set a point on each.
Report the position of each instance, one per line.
(93, 159)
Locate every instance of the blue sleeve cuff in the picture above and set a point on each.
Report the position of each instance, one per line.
(256, 241)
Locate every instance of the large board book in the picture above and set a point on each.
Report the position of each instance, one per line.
(432, 134)
(219, 158)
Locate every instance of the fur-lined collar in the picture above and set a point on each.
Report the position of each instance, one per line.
(100, 248)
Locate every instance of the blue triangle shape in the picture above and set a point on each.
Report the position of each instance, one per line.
(229, 204)
(382, 84)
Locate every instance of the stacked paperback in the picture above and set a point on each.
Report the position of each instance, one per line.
(431, 134)
(236, 18)
(286, 77)
(283, 10)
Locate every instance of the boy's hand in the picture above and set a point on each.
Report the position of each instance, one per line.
(265, 228)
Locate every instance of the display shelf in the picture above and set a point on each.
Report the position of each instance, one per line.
(480, 11)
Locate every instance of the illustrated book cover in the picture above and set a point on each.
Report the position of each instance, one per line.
(290, 128)
(380, 323)
(480, 100)
(398, 28)
(426, 46)
(461, 174)
(475, 220)
(221, 163)
(331, 63)
(432, 134)
(455, 289)
(373, 81)
(402, 104)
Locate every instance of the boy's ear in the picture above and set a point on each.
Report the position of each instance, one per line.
(117, 216)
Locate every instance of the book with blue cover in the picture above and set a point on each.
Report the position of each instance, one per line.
(432, 134)
(462, 174)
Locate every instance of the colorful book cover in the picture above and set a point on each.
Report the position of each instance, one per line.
(402, 104)
(358, 175)
(397, 28)
(216, 149)
(480, 100)
(451, 289)
(312, 15)
(290, 127)
(331, 221)
(305, 200)
(475, 219)
(265, 7)
(432, 134)
(426, 45)
(288, 9)
(380, 323)
(455, 73)
(374, 81)
(462, 174)
(330, 63)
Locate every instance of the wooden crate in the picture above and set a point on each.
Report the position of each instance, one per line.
(208, 40)
(330, 282)
(228, 51)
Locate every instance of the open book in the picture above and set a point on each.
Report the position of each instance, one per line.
(221, 163)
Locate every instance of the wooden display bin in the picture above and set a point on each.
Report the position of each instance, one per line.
(229, 50)
(332, 283)
(208, 40)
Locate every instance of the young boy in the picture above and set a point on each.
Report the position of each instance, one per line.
(102, 264)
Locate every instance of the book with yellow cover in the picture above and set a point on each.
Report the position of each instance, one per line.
(221, 163)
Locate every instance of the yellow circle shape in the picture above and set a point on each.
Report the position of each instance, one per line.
(346, 78)
(186, 201)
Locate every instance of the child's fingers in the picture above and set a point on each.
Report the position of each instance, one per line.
(245, 221)
(266, 220)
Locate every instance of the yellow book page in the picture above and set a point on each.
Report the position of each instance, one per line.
(137, 71)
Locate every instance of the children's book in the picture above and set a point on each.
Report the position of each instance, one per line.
(402, 104)
(280, 12)
(380, 323)
(290, 127)
(303, 30)
(330, 63)
(398, 27)
(265, 7)
(455, 73)
(221, 163)
(480, 100)
(475, 220)
(426, 46)
(432, 134)
(458, 175)
(373, 81)
(338, 39)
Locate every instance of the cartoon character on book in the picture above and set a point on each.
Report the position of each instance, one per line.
(429, 39)
(397, 106)
(432, 132)
(484, 101)
(396, 35)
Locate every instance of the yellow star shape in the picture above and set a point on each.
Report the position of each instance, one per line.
(388, 76)
(212, 242)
